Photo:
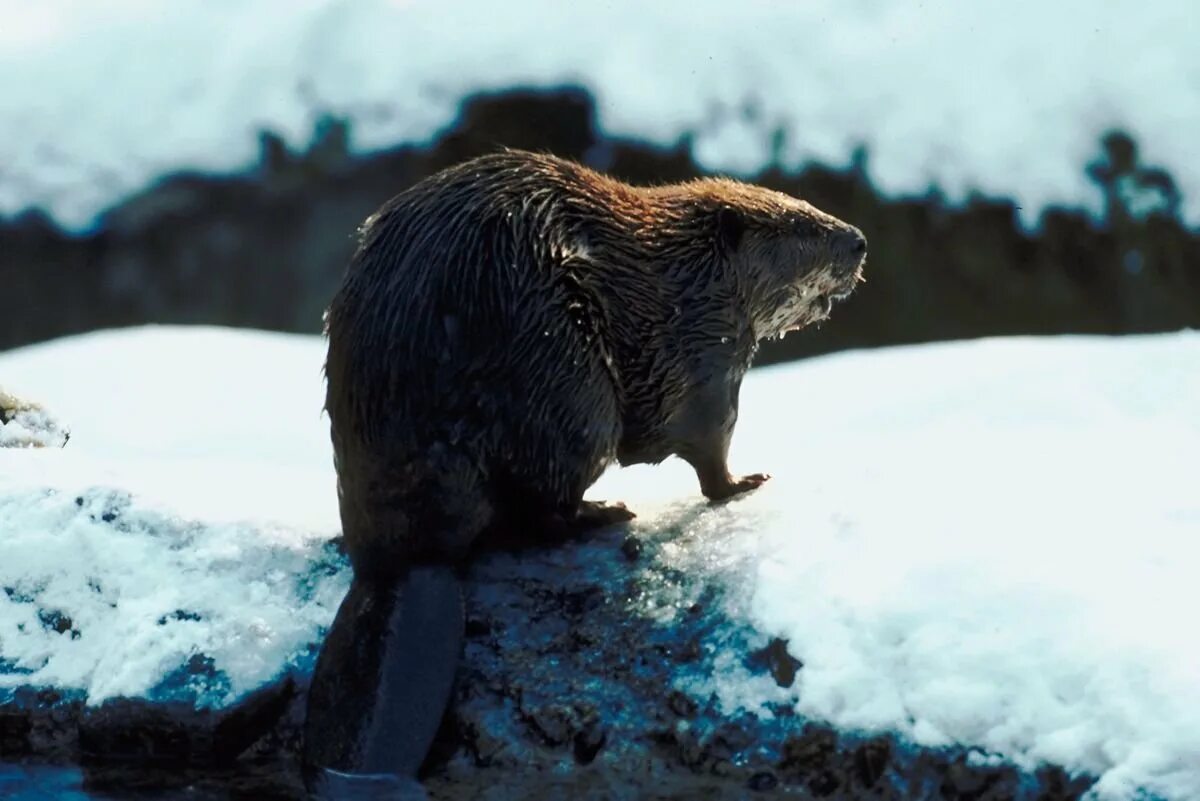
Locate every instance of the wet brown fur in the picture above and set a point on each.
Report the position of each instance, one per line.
(512, 325)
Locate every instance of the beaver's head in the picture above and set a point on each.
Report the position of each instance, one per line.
(792, 260)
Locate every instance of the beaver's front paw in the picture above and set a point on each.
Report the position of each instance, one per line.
(736, 486)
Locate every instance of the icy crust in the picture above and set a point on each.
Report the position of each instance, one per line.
(105, 597)
(28, 425)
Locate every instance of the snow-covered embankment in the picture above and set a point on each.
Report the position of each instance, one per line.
(988, 544)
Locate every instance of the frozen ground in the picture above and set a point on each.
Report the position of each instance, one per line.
(990, 543)
(1006, 96)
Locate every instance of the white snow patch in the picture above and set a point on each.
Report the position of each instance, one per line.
(146, 593)
(197, 490)
(216, 424)
(112, 95)
(989, 543)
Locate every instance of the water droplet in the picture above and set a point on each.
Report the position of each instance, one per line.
(724, 340)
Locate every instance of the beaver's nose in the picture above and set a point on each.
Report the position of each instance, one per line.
(850, 243)
(849, 248)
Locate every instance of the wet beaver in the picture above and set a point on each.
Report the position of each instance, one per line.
(506, 330)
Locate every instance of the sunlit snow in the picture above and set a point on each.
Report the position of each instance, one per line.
(988, 543)
(1008, 97)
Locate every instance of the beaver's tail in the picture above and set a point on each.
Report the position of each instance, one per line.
(382, 683)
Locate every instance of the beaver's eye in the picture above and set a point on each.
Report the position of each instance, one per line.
(804, 228)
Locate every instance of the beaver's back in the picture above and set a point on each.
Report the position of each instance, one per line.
(467, 363)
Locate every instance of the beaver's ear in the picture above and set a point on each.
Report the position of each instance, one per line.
(730, 226)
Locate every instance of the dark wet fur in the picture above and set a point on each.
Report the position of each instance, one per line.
(507, 329)
(511, 326)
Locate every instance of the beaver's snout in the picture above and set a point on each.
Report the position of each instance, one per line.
(849, 248)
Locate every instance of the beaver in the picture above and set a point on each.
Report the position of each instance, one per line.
(506, 330)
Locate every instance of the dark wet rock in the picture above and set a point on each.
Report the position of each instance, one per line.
(15, 728)
(763, 781)
(973, 783)
(1057, 785)
(681, 704)
(583, 676)
(589, 740)
(53, 620)
(554, 725)
(774, 658)
(180, 614)
(871, 760)
(631, 548)
(135, 731)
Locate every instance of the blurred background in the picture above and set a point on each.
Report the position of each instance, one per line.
(1018, 167)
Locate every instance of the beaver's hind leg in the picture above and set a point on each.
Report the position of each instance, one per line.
(559, 433)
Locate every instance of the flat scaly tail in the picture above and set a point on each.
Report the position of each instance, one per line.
(381, 685)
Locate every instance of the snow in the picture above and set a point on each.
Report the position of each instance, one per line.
(990, 543)
(207, 421)
(187, 517)
(27, 425)
(113, 95)
(993, 543)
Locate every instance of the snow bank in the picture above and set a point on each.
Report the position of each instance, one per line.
(945, 91)
(989, 543)
(215, 424)
(112, 596)
(178, 546)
